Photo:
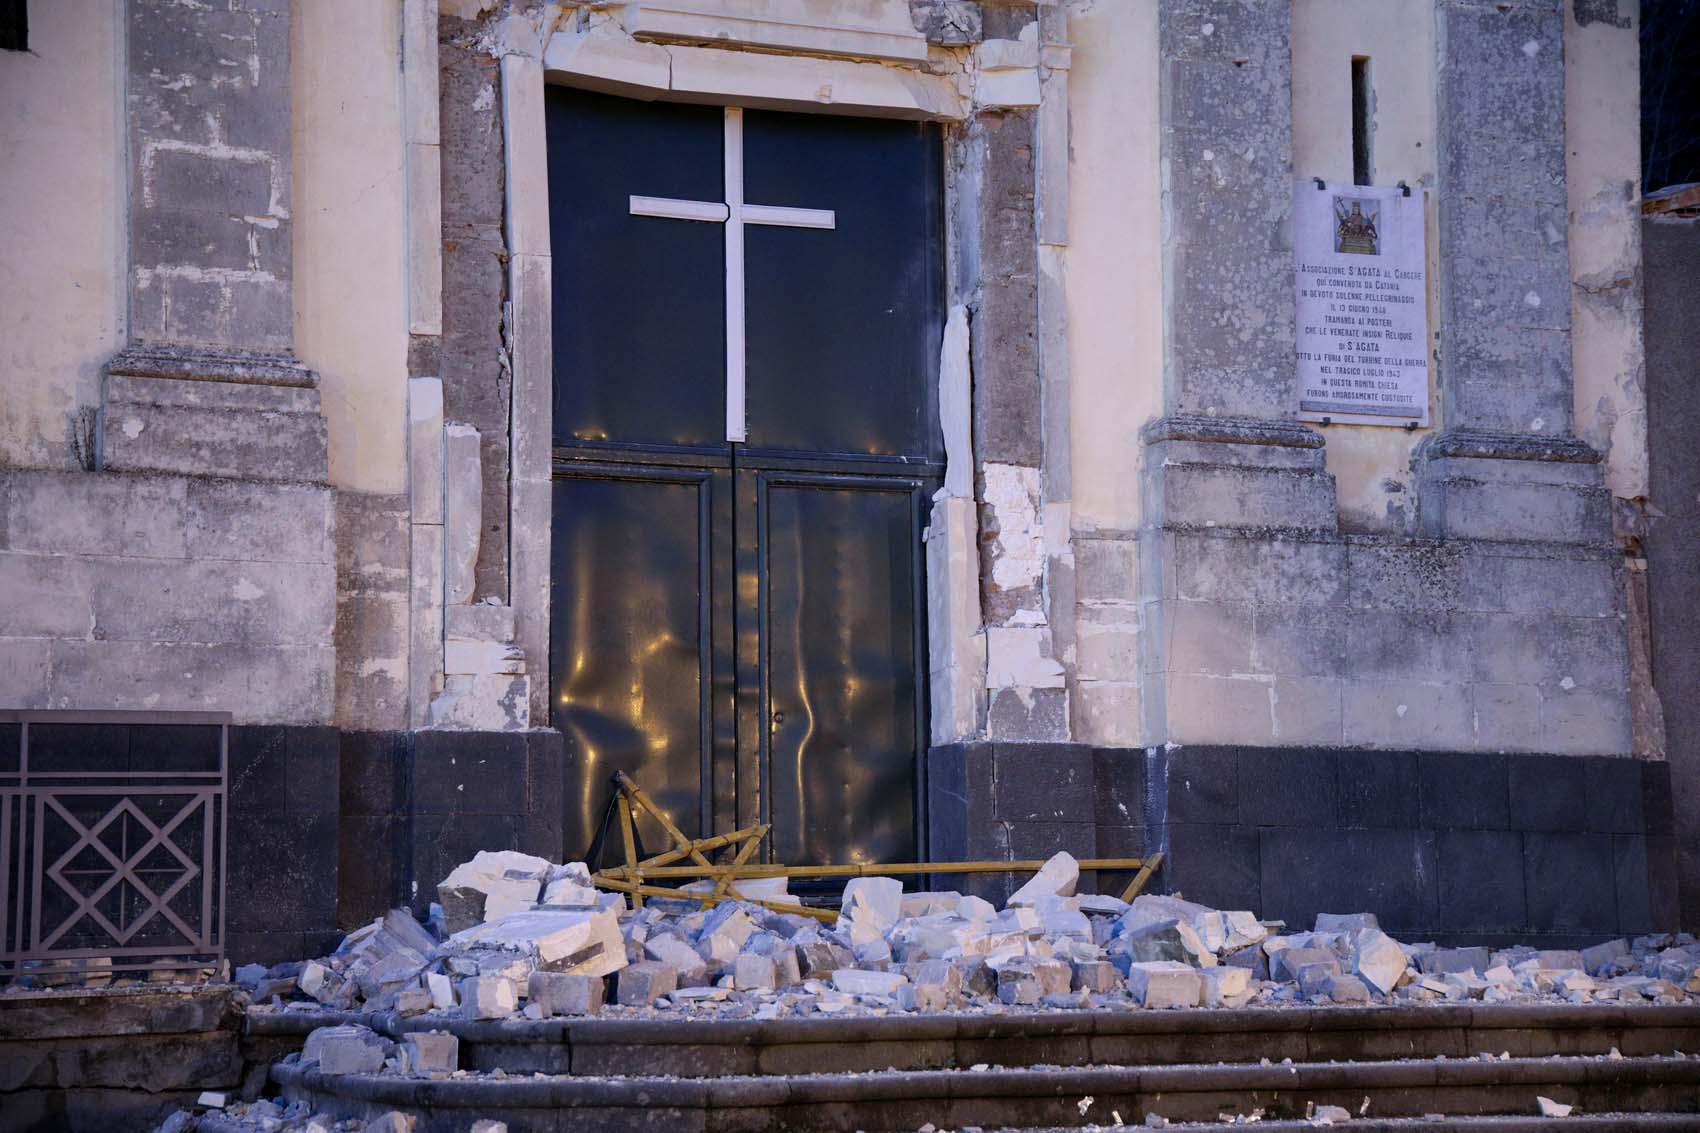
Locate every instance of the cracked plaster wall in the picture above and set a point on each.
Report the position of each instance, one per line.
(1603, 171)
(61, 203)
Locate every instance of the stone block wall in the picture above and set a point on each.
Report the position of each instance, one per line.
(282, 871)
(416, 804)
(1370, 641)
(1467, 847)
(166, 592)
(1455, 846)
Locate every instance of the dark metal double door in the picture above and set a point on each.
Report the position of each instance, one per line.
(740, 623)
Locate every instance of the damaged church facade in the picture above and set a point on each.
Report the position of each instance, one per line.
(882, 419)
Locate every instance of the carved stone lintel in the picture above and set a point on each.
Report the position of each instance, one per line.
(206, 364)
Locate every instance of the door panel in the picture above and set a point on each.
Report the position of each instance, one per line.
(844, 323)
(832, 668)
(639, 311)
(641, 665)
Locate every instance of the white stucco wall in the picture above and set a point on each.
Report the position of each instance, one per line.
(1371, 464)
(1115, 290)
(62, 243)
(1603, 172)
(350, 228)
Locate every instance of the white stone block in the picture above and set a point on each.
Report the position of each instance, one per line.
(463, 501)
(854, 981)
(488, 997)
(1058, 877)
(1165, 983)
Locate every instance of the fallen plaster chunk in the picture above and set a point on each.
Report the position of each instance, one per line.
(1550, 1108)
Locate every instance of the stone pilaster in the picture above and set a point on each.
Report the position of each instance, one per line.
(1507, 464)
(999, 273)
(210, 252)
(1229, 452)
(1231, 479)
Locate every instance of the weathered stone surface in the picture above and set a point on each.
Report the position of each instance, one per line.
(1164, 983)
(424, 1052)
(565, 993)
(1057, 878)
(344, 1050)
(641, 984)
(488, 997)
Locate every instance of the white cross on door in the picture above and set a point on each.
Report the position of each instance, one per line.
(734, 214)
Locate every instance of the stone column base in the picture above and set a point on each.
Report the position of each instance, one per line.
(212, 413)
(1478, 485)
(1236, 472)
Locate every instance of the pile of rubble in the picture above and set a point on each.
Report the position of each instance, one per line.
(517, 936)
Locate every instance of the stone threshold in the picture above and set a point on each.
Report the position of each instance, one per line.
(686, 1048)
(1004, 1097)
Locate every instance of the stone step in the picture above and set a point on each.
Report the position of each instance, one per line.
(687, 1048)
(1045, 1097)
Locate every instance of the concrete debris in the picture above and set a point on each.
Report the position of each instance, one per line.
(578, 952)
(1550, 1108)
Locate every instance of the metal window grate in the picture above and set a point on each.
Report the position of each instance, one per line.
(112, 841)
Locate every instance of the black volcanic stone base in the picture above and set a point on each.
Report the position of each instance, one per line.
(329, 829)
(416, 804)
(281, 876)
(1459, 847)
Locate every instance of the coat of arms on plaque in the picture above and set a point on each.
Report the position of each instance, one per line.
(1357, 228)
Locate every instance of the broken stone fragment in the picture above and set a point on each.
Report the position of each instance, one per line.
(1164, 983)
(1166, 940)
(1345, 922)
(413, 1001)
(1603, 957)
(643, 983)
(493, 884)
(1285, 963)
(564, 993)
(441, 989)
(1225, 987)
(391, 1122)
(669, 949)
(1439, 961)
(1056, 878)
(345, 1049)
(875, 901)
(426, 1052)
(853, 981)
(562, 940)
(754, 972)
(488, 997)
(1098, 977)
(1155, 908)
(1341, 988)
(975, 908)
(1377, 959)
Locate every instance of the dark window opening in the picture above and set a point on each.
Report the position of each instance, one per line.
(14, 26)
(1362, 174)
(1670, 93)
